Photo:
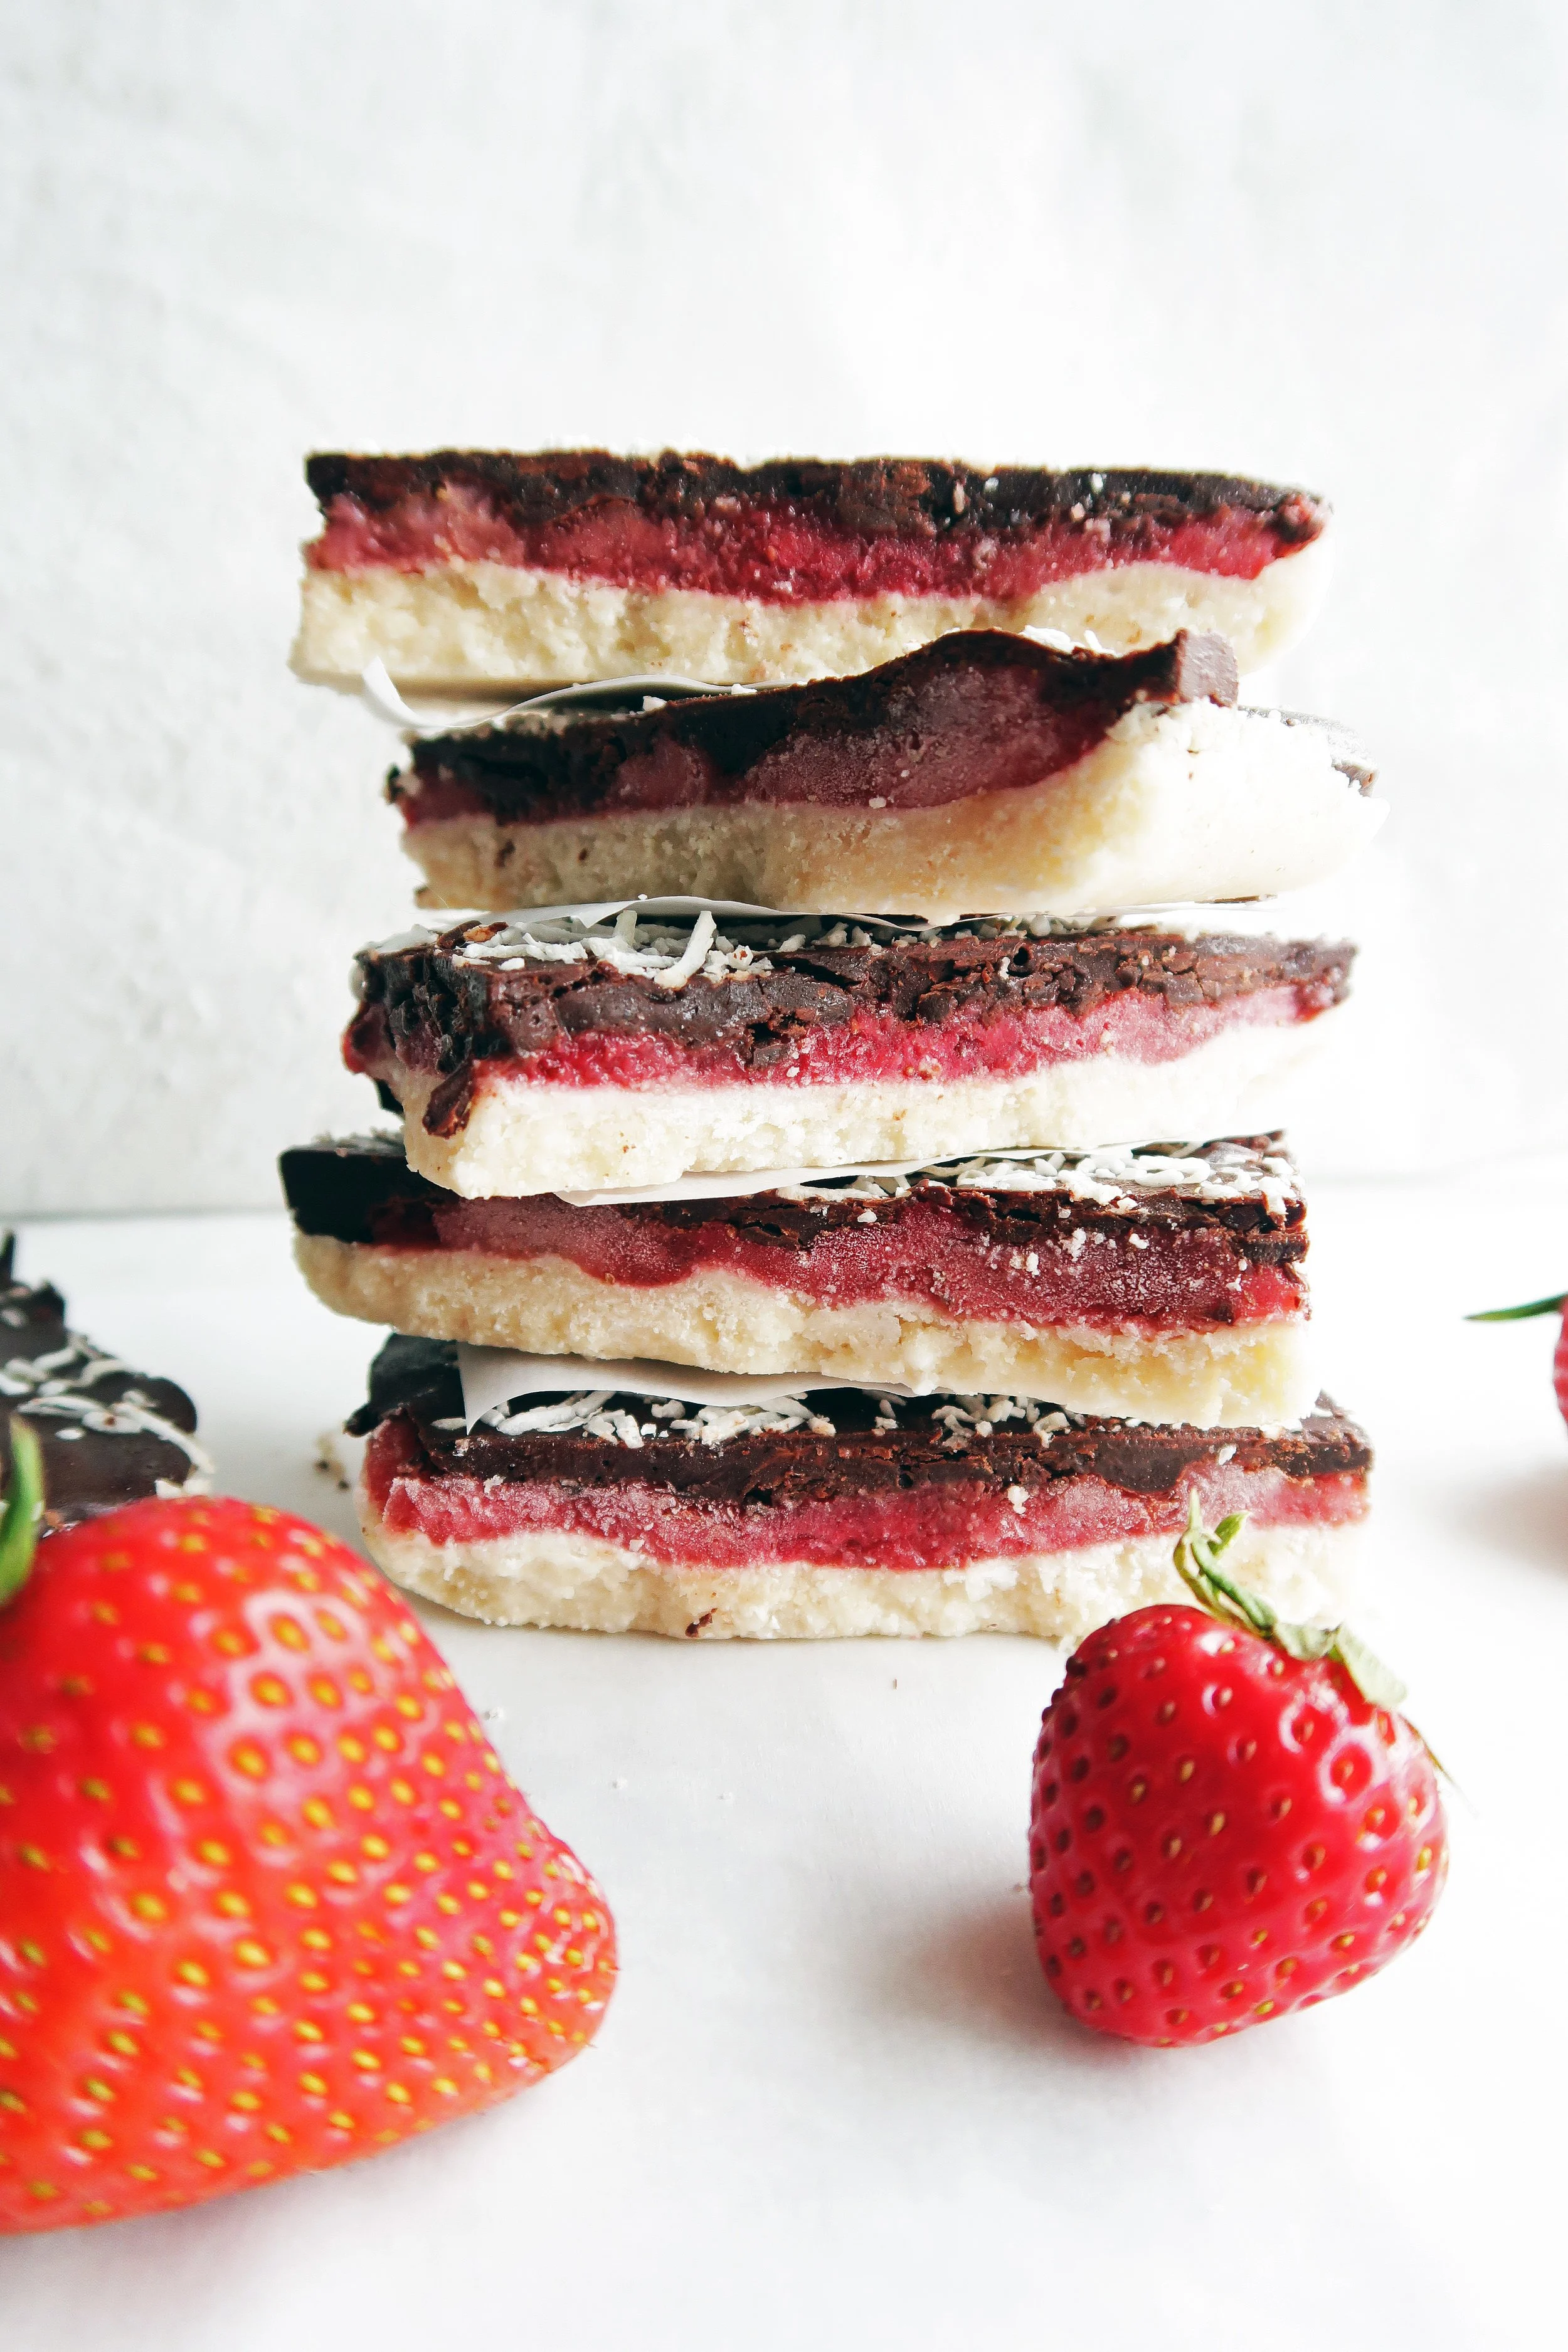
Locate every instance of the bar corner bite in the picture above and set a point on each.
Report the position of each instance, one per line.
(109, 1435)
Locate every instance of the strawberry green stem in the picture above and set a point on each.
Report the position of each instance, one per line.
(1197, 1565)
(1521, 1314)
(24, 1511)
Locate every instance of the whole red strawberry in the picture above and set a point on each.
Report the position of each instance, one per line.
(268, 1900)
(1230, 1820)
(1558, 1306)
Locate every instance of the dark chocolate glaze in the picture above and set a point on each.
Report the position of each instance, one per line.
(418, 1381)
(561, 761)
(435, 1013)
(360, 1189)
(918, 498)
(349, 1186)
(420, 1376)
(96, 1457)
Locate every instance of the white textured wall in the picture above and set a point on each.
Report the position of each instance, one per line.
(1322, 243)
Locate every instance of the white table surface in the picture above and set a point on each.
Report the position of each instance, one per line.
(833, 2103)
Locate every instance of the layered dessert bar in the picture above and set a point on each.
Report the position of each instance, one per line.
(985, 771)
(837, 1512)
(579, 1051)
(1162, 1282)
(467, 569)
(107, 1435)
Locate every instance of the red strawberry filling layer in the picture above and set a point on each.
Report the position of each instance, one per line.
(866, 1048)
(774, 554)
(933, 1526)
(1182, 1278)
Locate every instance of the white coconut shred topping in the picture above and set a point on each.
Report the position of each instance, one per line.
(668, 953)
(639, 1420)
(668, 947)
(1113, 1177)
(57, 1387)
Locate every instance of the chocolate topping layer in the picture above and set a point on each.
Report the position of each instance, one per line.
(361, 1190)
(930, 1446)
(1048, 708)
(919, 497)
(110, 1435)
(438, 1006)
(357, 1188)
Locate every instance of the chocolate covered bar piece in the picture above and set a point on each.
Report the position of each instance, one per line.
(107, 1435)
(561, 1052)
(983, 772)
(836, 1512)
(474, 568)
(1166, 1282)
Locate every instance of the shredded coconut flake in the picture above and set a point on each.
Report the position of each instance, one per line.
(596, 1413)
(672, 948)
(1119, 1177)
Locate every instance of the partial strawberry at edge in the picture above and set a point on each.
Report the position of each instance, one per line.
(1221, 1833)
(268, 1900)
(1559, 1305)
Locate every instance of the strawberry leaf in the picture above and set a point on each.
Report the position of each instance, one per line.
(1307, 1642)
(23, 1509)
(1197, 1564)
(1521, 1314)
(1377, 1684)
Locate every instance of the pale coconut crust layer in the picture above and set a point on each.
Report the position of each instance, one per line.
(473, 626)
(521, 1137)
(1251, 1375)
(1189, 803)
(583, 1582)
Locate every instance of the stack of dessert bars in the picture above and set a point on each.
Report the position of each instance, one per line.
(837, 1186)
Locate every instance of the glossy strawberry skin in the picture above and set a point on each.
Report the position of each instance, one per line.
(1559, 1366)
(268, 1901)
(1219, 1835)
